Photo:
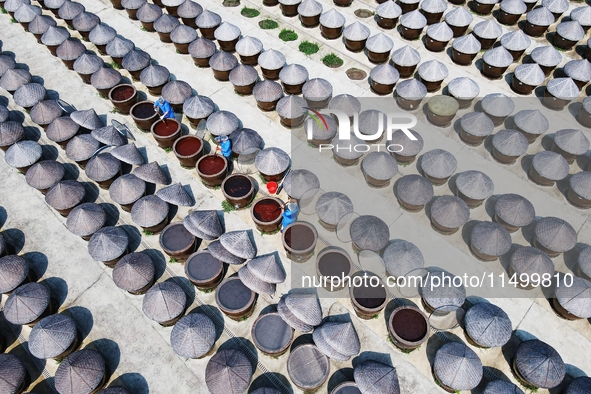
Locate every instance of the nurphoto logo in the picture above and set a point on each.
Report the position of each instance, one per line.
(394, 122)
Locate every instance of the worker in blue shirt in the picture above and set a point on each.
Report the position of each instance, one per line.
(165, 108)
(225, 145)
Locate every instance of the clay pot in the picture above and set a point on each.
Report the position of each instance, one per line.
(113, 263)
(432, 17)
(408, 105)
(355, 46)
(273, 178)
(243, 299)
(333, 263)
(156, 90)
(442, 229)
(516, 54)
(436, 181)
(410, 34)
(271, 74)
(459, 30)
(182, 48)
(434, 45)
(270, 3)
(189, 22)
(408, 7)
(408, 327)
(331, 33)
(537, 178)
(405, 71)
(211, 173)
(382, 89)
(228, 46)
(562, 312)
(252, 61)
(292, 122)
(149, 26)
(502, 158)
(277, 344)
(204, 270)
(577, 200)
(535, 30)
(117, 60)
(472, 203)
(238, 190)
(166, 132)
(290, 10)
(552, 102)
(299, 240)
(106, 184)
(245, 90)
(310, 21)
(378, 57)
(177, 242)
(368, 301)
(263, 211)
(222, 75)
(123, 97)
(439, 120)
(202, 62)
(144, 115)
(132, 13)
(464, 59)
(481, 8)
(570, 158)
(292, 89)
(165, 37)
(491, 71)
(432, 86)
(345, 387)
(267, 105)
(188, 149)
(207, 32)
(508, 19)
(510, 228)
(117, 4)
(386, 23)
(172, 10)
(485, 43)
(520, 87)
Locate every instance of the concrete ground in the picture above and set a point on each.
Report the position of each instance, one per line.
(112, 321)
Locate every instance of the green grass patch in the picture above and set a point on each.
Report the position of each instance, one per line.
(12, 20)
(168, 150)
(288, 35)
(227, 207)
(250, 12)
(206, 291)
(143, 29)
(332, 60)
(268, 24)
(309, 48)
(146, 232)
(115, 111)
(172, 260)
(115, 65)
(4, 11)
